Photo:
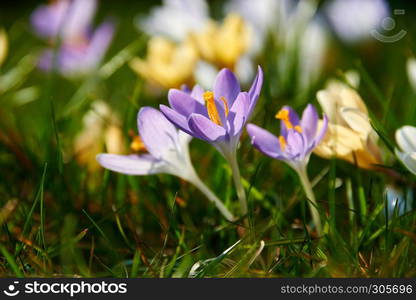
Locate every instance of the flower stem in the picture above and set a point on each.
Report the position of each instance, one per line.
(307, 187)
(213, 198)
(241, 194)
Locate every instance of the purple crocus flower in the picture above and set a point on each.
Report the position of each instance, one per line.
(298, 136)
(81, 57)
(67, 18)
(294, 145)
(167, 152)
(68, 23)
(217, 117)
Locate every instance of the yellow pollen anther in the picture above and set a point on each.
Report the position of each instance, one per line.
(222, 98)
(212, 108)
(298, 128)
(282, 142)
(208, 96)
(283, 115)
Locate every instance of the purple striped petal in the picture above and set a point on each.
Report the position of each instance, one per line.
(205, 129)
(78, 17)
(130, 164)
(226, 85)
(295, 144)
(46, 19)
(198, 94)
(99, 43)
(65, 17)
(264, 141)
(239, 113)
(255, 89)
(183, 103)
(176, 118)
(309, 123)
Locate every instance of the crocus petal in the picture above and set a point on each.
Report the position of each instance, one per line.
(408, 159)
(255, 89)
(239, 113)
(295, 144)
(357, 120)
(264, 141)
(157, 133)
(183, 103)
(78, 17)
(130, 164)
(338, 141)
(198, 94)
(176, 118)
(205, 129)
(309, 122)
(99, 44)
(322, 132)
(406, 138)
(293, 117)
(184, 140)
(226, 85)
(328, 104)
(69, 18)
(46, 19)
(175, 19)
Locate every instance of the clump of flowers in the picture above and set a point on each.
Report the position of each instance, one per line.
(185, 26)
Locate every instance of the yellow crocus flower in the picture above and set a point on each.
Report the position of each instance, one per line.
(101, 131)
(349, 136)
(223, 45)
(167, 64)
(3, 45)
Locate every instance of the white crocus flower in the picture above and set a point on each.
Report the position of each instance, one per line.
(168, 152)
(297, 29)
(411, 72)
(354, 20)
(406, 140)
(175, 19)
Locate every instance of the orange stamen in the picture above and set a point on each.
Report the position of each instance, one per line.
(282, 142)
(298, 128)
(283, 115)
(222, 98)
(212, 108)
